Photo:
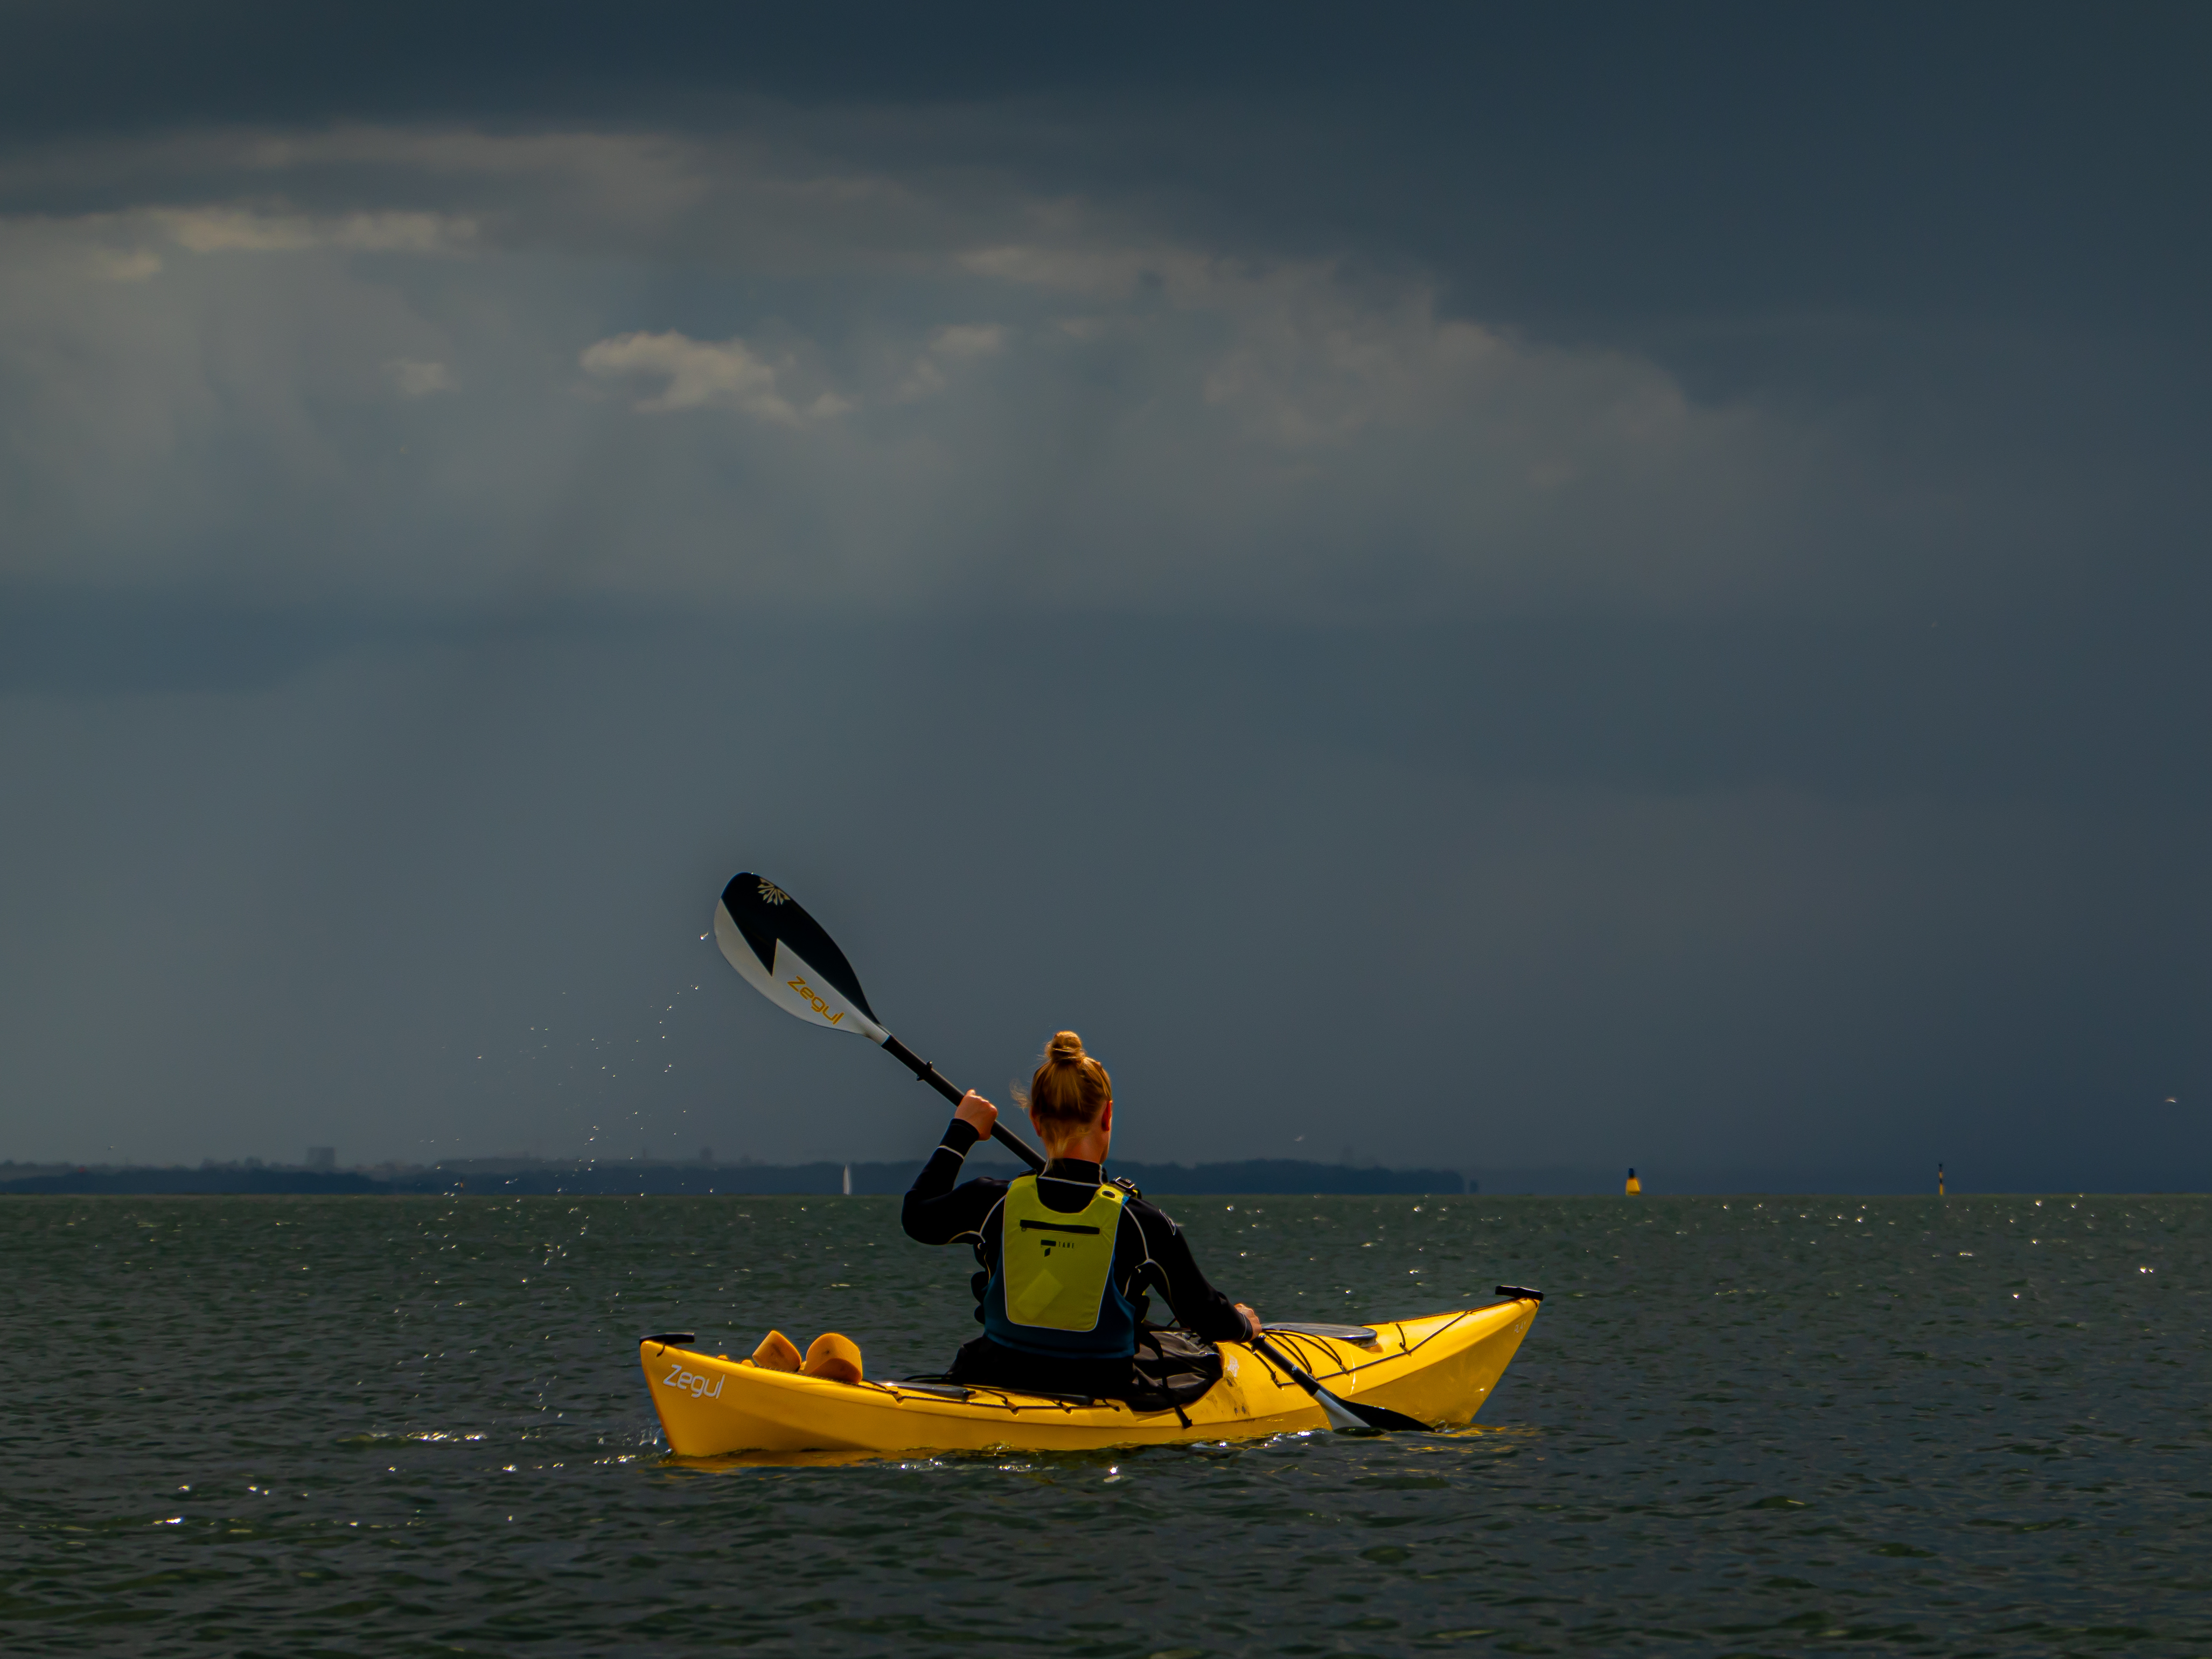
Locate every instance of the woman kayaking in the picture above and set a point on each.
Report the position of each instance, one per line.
(1067, 1255)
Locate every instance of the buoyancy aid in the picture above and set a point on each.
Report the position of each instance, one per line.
(1052, 1289)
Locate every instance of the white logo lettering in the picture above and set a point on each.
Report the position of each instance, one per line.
(692, 1383)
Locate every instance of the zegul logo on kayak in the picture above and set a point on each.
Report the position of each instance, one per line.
(692, 1383)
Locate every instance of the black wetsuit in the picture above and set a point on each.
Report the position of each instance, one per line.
(1149, 1253)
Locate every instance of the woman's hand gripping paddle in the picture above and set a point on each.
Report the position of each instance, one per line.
(783, 953)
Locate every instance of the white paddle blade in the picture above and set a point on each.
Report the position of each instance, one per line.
(1333, 1410)
(791, 984)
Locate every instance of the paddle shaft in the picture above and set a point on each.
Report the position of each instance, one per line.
(1282, 1361)
(937, 1080)
(1342, 1413)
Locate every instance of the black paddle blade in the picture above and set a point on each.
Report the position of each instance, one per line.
(771, 939)
(1381, 1416)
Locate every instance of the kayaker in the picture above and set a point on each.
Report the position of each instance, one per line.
(1061, 1308)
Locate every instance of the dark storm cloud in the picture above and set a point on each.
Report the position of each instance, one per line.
(1699, 160)
(1957, 247)
(872, 393)
(1569, 587)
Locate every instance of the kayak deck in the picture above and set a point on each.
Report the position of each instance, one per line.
(1438, 1368)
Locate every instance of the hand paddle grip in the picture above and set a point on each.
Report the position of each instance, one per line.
(937, 1080)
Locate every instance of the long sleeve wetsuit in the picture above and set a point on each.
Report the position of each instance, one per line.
(1150, 1253)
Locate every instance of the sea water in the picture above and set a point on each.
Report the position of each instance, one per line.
(1755, 1426)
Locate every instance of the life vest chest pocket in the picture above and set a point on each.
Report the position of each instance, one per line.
(1056, 1264)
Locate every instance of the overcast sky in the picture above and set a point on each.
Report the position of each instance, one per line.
(1532, 590)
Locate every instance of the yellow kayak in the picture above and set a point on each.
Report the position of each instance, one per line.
(1439, 1369)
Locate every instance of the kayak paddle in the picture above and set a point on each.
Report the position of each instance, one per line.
(784, 954)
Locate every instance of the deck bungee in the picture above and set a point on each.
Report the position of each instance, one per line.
(1437, 1369)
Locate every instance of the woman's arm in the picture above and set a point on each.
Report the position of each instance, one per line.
(937, 1210)
(1202, 1309)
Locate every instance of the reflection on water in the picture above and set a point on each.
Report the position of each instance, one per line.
(1746, 1425)
(788, 1459)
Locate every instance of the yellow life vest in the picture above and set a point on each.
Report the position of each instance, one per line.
(1055, 1269)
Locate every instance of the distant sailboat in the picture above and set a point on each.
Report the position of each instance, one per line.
(849, 1181)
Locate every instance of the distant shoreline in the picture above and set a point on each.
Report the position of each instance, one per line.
(527, 1177)
(544, 1178)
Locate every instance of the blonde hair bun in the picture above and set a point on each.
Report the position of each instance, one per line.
(1069, 1090)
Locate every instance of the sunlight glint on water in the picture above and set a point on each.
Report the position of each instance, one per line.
(1764, 1425)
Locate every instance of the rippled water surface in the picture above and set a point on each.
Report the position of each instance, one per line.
(395, 1426)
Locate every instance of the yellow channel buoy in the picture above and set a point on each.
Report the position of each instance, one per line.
(1634, 1185)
